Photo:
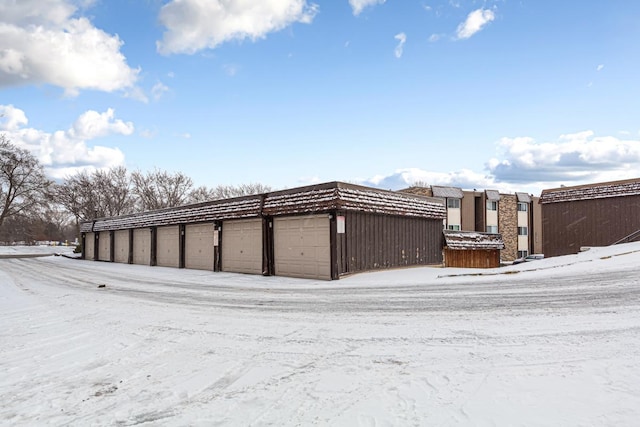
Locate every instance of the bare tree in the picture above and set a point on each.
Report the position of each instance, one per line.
(202, 194)
(114, 191)
(98, 194)
(23, 186)
(159, 189)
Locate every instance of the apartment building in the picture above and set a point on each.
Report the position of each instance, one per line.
(515, 216)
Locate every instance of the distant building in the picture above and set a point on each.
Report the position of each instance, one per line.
(516, 217)
(590, 215)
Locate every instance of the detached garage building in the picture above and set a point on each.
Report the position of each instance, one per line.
(322, 231)
(590, 215)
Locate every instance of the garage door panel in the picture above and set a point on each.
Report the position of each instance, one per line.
(89, 245)
(302, 247)
(104, 246)
(142, 246)
(199, 249)
(168, 246)
(242, 246)
(121, 246)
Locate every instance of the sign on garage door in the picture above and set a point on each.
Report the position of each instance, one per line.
(242, 246)
(168, 249)
(302, 247)
(121, 246)
(199, 243)
(89, 245)
(142, 246)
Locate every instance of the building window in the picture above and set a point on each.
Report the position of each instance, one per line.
(522, 254)
(492, 205)
(492, 228)
(522, 231)
(453, 227)
(523, 207)
(453, 203)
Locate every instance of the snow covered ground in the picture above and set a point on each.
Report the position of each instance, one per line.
(552, 342)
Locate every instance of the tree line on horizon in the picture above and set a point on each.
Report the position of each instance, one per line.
(34, 208)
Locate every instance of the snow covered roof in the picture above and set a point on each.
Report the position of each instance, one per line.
(523, 197)
(493, 195)
(447, 192)
(592, 191)
(461, 240)
(317, 198)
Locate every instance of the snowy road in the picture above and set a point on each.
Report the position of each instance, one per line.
(557, 342)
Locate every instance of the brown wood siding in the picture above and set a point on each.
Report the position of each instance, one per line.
(567, 226)
(472, 258)
(536, 236)
(373, 242)
(468, 212)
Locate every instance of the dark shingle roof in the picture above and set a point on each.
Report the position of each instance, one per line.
(471, 240)
(493, 195)
(592, 191)
(311, 199)
(447, 192)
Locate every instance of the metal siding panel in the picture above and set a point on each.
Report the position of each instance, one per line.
(89, 246)
(104, 242)
(142, 246)
(242, 246)
(121, 246)
(302, 247)
(199, 252)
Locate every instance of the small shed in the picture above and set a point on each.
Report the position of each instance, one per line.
(470, 249)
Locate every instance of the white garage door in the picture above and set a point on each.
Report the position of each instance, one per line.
(242, 246)
(89, 244)
(199, 246)
(302, 247)
(168, 249)
(121, 246)
(104, 250)
(142, 246)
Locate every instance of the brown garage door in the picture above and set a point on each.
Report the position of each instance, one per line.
(142, 246)
(242, 246)
(301, 247)
(104, 246)
(168, 249)
(199, 246)
(121, 246)
(89, 245)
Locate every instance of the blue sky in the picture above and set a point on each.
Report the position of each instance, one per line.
(509, 95)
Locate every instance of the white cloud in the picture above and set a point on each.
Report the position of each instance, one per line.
(359, 5)
(194, 25)
(475, 21)
(158, 90)
(529, 166)
(600, 67)
(434, 38)
(42, 42)
(66, 152)
(402, 39)
(403, 178)
(232, 69)
(579, 157)
(136, 93)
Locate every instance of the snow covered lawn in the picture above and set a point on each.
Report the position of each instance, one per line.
(551, 342)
